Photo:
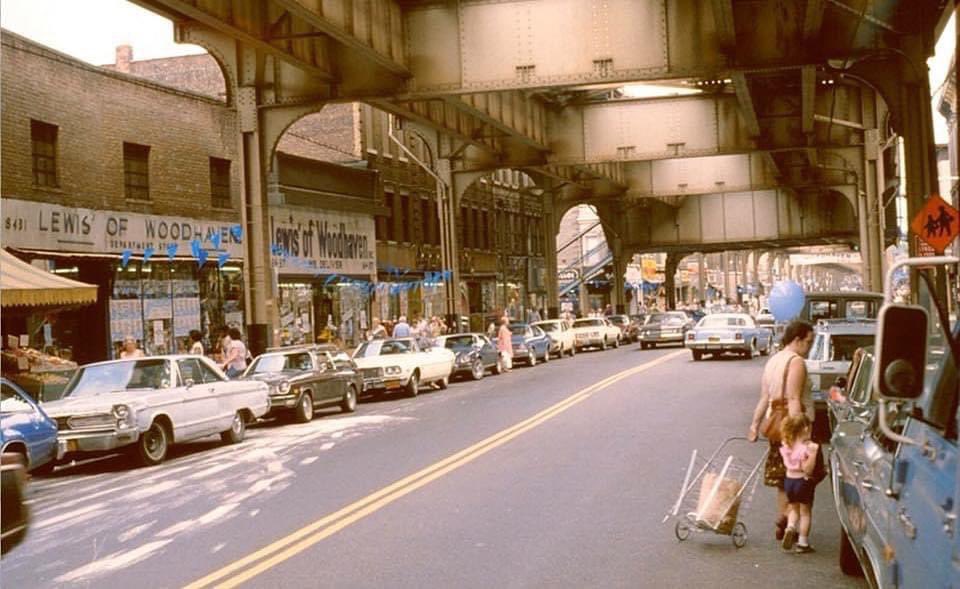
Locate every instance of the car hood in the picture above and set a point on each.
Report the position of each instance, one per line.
(378, 361)
(276, 377)
(102, 403)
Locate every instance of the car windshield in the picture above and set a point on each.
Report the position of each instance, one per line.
(518, 329)
(665, 318)
(843, 346)
(587, 323)
(458, 341)
(280, 362)
(721, 321)
(381, 348)
(119, 376)
(549, 326)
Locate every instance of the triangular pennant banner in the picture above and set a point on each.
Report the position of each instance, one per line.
(125, 258)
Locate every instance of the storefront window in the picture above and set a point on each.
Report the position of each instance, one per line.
(296, 313)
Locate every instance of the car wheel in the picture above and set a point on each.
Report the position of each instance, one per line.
(766, 350)
(573, 351)
(616, 342)
(151, 448)
(349, 403)
(498, 367)
(697, 355)
(643, 345)
(749, 354)
(304, 411)
(443, 383)
(603, 344)
(849, 563)
(413, 385)
(477, 371)
(532, 358)
(546, 355)
(238, 429)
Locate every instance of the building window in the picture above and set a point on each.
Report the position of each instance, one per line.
(136, 171)
(387, 221)
(43, 138)
(220, 183)
(405, 220)
(429, 221)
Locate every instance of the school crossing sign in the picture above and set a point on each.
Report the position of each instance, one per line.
(937, 224)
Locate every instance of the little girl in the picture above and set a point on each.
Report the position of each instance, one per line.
(799, 457)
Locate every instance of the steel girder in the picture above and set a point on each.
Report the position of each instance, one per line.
(749, 219)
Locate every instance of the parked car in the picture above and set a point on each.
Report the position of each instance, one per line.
(560, 334)
(14, 511)
(475, 354)
(305, 378)
(395, 364)
(833, 347)
(668, 327)
(695, 315)
(26, 429)
(628, 330)
(765, 317)
(636, 324)
(895, 463)
(529, 344)
(595, 332)
(735, 333)
(144, 405)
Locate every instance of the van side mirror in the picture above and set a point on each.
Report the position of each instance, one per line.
(901, 351)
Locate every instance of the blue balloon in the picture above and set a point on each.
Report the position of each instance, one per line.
(786, 300)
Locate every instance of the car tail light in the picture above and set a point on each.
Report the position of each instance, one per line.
(691, 336)
(738, 336)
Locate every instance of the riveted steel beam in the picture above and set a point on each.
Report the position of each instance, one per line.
(372, 29)
(808, 90)
(247, 24)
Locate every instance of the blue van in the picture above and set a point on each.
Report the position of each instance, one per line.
(894, 452)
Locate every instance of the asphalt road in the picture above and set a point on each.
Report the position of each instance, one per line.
(555, 476)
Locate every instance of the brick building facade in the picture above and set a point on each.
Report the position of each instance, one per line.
(102, 169)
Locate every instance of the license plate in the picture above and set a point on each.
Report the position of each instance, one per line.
(713, 338)
(392, 384)
(72, 446)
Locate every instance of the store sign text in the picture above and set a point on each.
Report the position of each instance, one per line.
(322, 242)
(35, 225)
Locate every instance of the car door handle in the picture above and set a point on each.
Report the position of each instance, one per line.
(907, 523)
(868, 485)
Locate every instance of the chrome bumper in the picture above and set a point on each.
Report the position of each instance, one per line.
(94, 441)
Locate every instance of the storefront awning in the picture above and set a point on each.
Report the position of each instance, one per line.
(23, 285)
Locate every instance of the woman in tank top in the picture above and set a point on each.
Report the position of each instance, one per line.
(784, 376)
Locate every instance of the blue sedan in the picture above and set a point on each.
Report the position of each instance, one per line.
(735, 333)
(530, 343)
(26, 429)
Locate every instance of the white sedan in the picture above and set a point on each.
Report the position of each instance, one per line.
(561, 336)
(595, 331)
(146, 404)
(401, 364)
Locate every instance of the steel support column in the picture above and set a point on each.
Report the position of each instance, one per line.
(670, 279)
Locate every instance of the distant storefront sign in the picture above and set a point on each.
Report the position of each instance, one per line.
(37, 225)
(323, 242)
(567, 275)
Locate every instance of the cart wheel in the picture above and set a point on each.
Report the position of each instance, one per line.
(682, 530)
(739, 535)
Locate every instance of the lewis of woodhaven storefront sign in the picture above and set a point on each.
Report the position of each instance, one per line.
(43, 226)
(310, 242)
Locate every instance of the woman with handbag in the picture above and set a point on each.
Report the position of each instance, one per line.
(784, 390)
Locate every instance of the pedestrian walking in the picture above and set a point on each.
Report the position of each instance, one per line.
(196, 345)
(235, 361)
(377, 330)
(505, 344)
(799, 455)
(130, 349)
(784, 382)
(402, 328)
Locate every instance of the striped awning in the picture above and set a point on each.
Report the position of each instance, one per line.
(23, 285)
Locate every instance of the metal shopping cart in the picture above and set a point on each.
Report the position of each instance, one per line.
(717, 490)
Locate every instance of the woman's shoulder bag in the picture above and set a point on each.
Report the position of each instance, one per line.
(777, 412)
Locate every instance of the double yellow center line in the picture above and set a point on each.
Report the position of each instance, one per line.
(285, 548)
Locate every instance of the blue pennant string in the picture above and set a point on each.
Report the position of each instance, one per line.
(147, 254)
(222, 259)
(202, 257)
(237, 232)
(125, 258)
(172, 250)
